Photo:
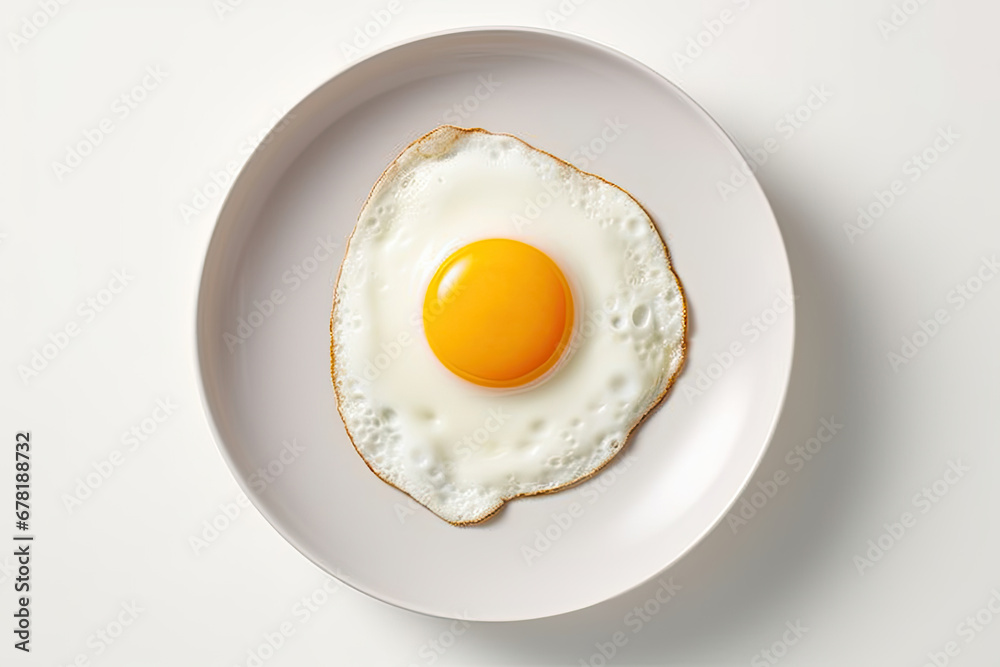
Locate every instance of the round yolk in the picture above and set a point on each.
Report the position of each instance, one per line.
(498, 313)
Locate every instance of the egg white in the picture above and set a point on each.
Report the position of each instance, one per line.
(460, 449)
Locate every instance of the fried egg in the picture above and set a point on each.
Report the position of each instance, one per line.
(502, 321)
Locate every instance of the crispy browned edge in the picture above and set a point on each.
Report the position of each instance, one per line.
(628, 436)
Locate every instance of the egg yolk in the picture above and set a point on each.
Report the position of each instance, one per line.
(498, 313)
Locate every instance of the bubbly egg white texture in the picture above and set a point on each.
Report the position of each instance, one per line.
(458, 448)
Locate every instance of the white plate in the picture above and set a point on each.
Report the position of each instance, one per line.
(545, 555)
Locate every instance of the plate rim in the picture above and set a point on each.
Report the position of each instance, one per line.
(202, 355)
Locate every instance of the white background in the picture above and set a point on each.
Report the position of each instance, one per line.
(229, 71)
